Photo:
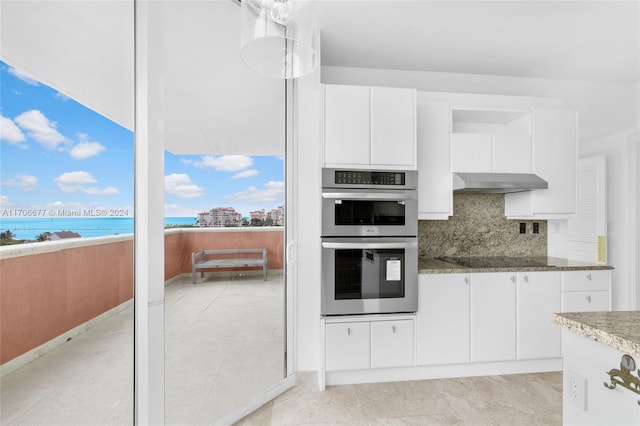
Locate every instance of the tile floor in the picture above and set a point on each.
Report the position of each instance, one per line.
(522, 399)
(224, 344)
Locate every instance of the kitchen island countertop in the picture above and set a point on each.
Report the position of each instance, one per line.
(618, 329)
(438, 266)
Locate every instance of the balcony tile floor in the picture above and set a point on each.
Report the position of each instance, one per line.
(224, 344)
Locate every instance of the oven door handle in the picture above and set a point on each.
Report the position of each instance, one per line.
(368, 196)
(330, 245)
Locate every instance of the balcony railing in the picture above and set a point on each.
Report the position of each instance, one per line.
(50, 288)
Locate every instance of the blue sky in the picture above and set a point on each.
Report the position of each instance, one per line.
(57, 154)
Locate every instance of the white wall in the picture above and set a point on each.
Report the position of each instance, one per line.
(307, 180)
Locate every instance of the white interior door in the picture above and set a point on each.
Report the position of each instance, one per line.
(587, 232)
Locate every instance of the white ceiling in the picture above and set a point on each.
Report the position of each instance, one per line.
(215, 105)
(578, 40)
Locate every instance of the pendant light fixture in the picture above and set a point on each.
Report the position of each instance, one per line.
(279, 37)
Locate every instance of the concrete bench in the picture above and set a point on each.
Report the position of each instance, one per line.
(209, 259)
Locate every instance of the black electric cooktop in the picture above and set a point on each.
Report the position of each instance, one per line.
(496, 262)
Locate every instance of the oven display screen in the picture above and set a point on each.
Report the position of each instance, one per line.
(369, 178)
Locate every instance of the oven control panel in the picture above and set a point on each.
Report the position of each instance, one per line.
(369, 178)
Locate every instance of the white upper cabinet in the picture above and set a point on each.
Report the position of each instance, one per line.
(435, 198)
(369, 127)
(554, 160)
(346, 125)
(491, 141)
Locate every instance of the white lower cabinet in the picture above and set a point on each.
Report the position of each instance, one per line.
(348, 346)
(538, 296)
(391, 343)
(493, 317)
(368, 343)
(443, 319)
(585, 291)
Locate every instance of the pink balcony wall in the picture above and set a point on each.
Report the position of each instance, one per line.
(46, 294)
(47, 289)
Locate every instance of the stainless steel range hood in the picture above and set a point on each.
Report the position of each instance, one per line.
(496, 183)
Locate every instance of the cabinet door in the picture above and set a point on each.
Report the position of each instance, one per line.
(391, 343)
(493, 317)
(511, 153)
(555, 160)
(346, 125)
(585, 301)
(347, 346)
(435, 198)
(538, 297)
(443, 319)
(471, 152)
(587, 280)
(393, 127)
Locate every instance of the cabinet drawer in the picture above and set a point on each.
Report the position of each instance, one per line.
(391, 343)
(348, 346)
(585, 280)
(585, 301)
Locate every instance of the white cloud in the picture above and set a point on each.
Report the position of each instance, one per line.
(224, 163)
(23, 76)
(6, 202)
(245, 174)
(272, 192)
(61, 96)
(10, 132)
(25, 182)
(65, 205)
(40, 129)
(78, 181)
(180, 185)
(85, 148)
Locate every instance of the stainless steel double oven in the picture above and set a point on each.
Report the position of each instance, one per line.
(369, 241)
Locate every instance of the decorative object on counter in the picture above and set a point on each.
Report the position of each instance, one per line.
(478, 227)
(280, 38)
(624, 377)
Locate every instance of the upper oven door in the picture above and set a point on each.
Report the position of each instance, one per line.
(369, 213)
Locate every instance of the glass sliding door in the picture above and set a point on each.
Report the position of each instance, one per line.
(66, 212)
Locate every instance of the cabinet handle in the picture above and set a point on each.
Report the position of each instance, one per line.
(393, 328)
(348, 331)
(526, 278)
(513, 278)
(588, 299)
(589, 277)
(466, 280)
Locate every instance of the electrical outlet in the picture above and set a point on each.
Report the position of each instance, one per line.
(577, 392)
(536, 227)
(523, 228)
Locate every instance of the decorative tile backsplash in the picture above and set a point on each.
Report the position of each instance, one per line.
(478, 227)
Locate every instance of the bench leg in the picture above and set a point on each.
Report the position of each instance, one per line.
(264, 272)
(193, 275)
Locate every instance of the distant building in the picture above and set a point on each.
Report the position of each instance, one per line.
(276, 216)
(62, 235)
(220, 217)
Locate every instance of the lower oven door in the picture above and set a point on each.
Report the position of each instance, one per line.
(369, 275)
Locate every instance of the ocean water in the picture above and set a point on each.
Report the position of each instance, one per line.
(30, 228)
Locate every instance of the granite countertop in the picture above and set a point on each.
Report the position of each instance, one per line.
(437, 266)
(619, 329)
